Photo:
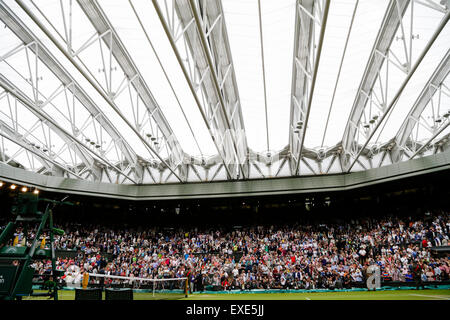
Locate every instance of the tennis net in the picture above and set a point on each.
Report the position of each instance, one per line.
(165, 288)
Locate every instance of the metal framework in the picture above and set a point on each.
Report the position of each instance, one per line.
(372, 103)
(49, 165)
(15, 96)
(304, 71)
(209, 71)
(103, 27)
(145, 124)
(67, 84)
(70, 136)
(404, 143)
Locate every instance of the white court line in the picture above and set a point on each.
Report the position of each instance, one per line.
(429, 296)
(308, 298)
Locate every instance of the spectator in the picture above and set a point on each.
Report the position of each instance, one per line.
(296, 256)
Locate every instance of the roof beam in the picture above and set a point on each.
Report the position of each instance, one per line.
(385, 37)
(432, 4)
(69, 55)
(414, 116)
(210, 23)
(198, 74)
(436, 134)
(17, 94)
(381, 52)
(81, 149)
(9, 133)
(305, 66)
(27, 37)
(4, 158)
(101, 23)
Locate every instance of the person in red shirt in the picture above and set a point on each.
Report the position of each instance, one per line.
(225, 284)
(424, 243)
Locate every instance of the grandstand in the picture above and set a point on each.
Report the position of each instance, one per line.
(224, 149)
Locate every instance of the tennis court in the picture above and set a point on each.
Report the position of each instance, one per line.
(358, 295)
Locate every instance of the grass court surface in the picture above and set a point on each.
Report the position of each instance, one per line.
(358, 295)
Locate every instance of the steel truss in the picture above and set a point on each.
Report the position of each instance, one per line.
(91, 148)
(132, 75)
(208, 68)
(372, 105)
(33, 152)
(406, 139)
(5, 159)
(43, 123)
(67, 86)
(307, 50)
(149, 124)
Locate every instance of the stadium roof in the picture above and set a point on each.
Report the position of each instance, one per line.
(156, 91)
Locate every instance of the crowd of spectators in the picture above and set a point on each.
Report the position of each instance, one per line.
(261, 257)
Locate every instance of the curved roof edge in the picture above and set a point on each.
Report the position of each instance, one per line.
(276, 186)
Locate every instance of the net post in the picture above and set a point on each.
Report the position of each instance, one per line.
(85, 280)
(154, 288)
